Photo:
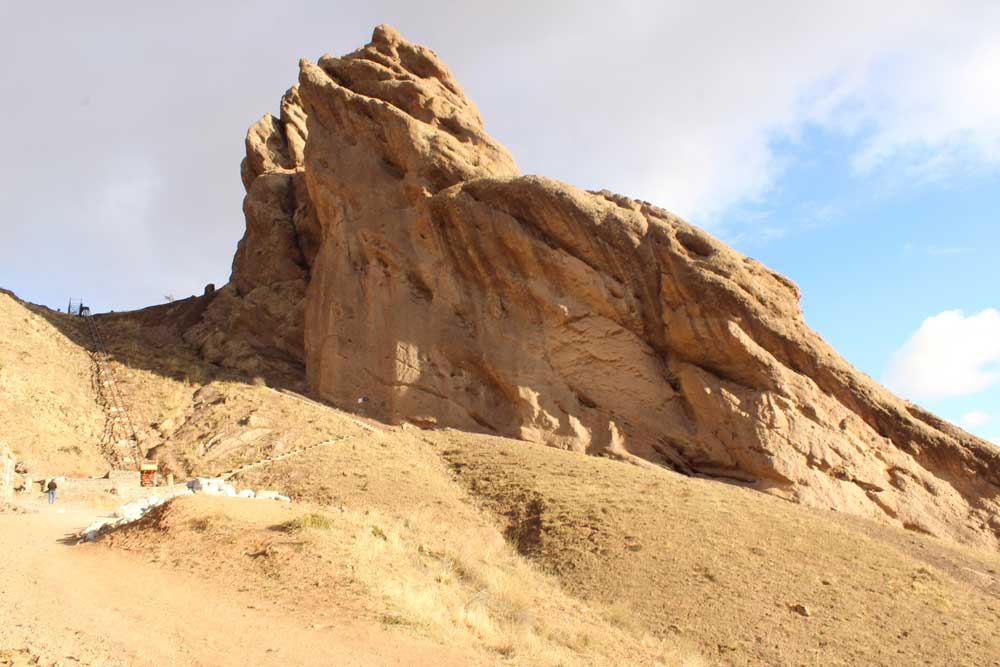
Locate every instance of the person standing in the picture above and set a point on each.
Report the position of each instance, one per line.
(51, 488)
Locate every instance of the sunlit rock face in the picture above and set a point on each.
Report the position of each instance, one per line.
(394, 248)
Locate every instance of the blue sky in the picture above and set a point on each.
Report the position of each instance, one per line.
(875, 257)
(853, 146)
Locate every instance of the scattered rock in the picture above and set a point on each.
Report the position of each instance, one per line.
(801, 610)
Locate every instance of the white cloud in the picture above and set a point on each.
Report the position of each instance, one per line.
(693, 109)
(688, 105)
(975, 419)
(949, 355)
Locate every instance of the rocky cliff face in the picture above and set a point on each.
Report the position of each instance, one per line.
(393, 247)
(256, 321)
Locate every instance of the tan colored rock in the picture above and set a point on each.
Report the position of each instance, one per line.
(452, 291)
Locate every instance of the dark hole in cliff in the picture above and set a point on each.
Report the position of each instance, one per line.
(524, 530)
(419, 287)
(394, 170)
(585, 400)
(695, 243)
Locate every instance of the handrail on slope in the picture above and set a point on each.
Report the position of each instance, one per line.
(115, 401)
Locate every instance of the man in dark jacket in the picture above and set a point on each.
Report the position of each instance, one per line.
(52, 490)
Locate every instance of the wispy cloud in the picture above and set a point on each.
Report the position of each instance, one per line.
(951, 354)
(976, 419)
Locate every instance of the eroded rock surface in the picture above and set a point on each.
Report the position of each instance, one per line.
(452, 291)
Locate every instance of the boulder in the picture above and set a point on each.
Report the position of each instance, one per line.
(208, 485)
(94, 530)
(131, 511)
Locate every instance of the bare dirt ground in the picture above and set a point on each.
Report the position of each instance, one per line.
(73, 605)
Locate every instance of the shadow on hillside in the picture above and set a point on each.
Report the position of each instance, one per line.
(152, 339)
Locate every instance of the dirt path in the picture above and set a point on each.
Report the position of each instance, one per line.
(78, 605)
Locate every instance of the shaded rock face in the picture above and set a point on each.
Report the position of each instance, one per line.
(256, 321)
(452, 291)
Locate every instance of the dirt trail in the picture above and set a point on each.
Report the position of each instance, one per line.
(81, 605)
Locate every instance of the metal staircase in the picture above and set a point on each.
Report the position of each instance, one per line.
(120, 438)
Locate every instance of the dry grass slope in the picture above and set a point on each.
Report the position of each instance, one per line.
(529, 555)
(47, 410)
(729, 568)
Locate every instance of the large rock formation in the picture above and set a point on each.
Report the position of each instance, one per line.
(450, 290)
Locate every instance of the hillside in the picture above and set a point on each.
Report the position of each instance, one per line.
(525, 554)
(48, 414)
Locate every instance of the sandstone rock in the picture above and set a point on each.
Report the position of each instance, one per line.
(393, 247)
(246, 493)
(264, 494)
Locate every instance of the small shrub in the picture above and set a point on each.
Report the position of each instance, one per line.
(312, 520)
(391, 619)
(199, 525)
